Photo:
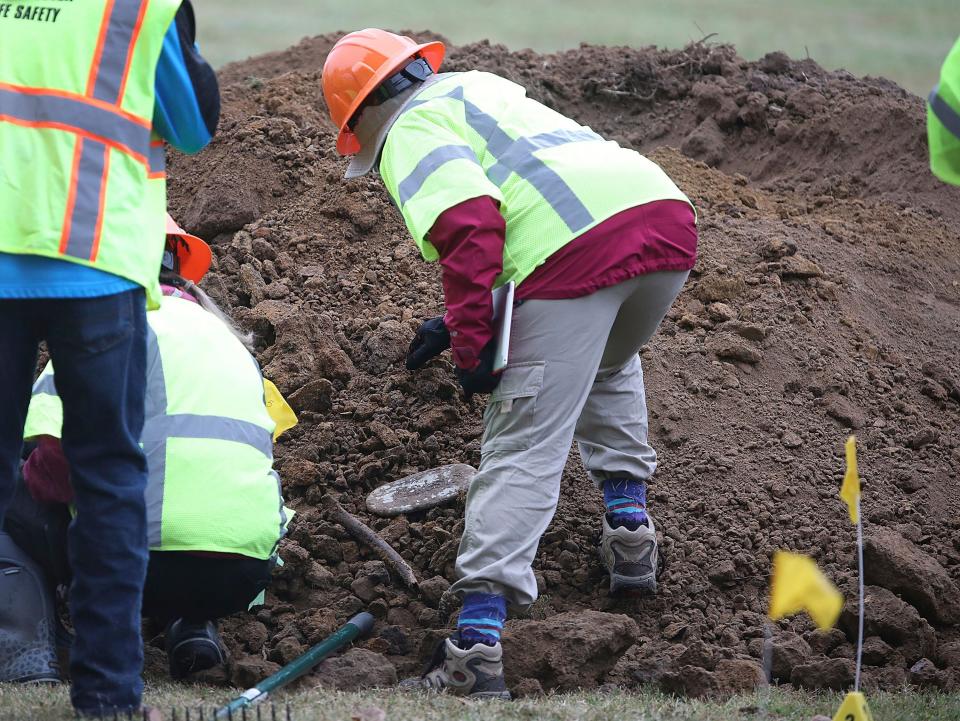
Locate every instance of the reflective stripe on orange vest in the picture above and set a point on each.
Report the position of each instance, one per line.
(42, 108)
(118, 36)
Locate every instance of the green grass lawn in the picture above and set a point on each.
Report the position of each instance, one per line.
(905, 41)
(23, 704)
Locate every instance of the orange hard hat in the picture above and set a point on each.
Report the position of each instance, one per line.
(192, 255)
(358, 64)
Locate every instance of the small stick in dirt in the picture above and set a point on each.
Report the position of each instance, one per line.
(366, 535)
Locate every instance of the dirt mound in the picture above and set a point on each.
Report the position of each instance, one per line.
(826, 299)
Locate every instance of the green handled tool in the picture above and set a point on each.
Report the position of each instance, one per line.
(359, 625)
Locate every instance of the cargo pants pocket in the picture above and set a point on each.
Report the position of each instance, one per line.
(508, 421)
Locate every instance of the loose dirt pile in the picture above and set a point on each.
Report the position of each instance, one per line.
(826, 300)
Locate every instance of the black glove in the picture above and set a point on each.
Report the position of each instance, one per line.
(482, 378)
(431, 340)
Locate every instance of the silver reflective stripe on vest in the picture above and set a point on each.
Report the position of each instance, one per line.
(45, 386)
(75, 115)
(949, 117)
(216, 428)
(83, 219)
(158, 159)
(516, 156)
(117, 48)
(523, 148)
(161, 427)
(429, 165)
(156, 451)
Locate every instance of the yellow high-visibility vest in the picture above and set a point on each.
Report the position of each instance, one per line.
(81, 172)
(207, 436)
(943, 121)
(476, 134)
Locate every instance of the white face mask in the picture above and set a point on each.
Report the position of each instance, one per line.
(374, 124)
(375, 117)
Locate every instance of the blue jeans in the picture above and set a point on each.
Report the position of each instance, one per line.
(98, 347)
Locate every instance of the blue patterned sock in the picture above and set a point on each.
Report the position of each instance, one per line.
(481, 619)
(626, 502)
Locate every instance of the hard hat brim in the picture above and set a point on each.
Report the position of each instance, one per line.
(194, 255)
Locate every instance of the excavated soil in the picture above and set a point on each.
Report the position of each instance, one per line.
(826, 300)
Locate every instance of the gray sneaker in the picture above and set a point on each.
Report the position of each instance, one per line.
(631, 557)
(476, 672)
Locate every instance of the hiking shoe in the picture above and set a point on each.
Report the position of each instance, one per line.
(476, 672)
(193, 647)
(631, 558)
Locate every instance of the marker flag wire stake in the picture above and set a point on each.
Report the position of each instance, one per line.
(856, 683)
(850, 493)
(854, 706)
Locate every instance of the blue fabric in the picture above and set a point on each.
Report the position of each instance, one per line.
(176, 115)
(481, 618)
(35, 276)
(626, 502)
(98, 346)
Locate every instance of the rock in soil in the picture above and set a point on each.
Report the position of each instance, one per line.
(834, 673)
(355, 670)
(894, 621)
(569, 650)
(897, 564)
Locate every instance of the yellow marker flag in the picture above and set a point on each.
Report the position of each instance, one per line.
(850, 490)
(279, 410)
(798, 585)
(853, 708)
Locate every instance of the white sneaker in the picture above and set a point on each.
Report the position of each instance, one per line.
(476, 672)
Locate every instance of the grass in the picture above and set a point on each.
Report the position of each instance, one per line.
(905, 41)
(22, 704)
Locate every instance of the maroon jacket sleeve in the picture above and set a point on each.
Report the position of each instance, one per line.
(469, 238)
(47, 472)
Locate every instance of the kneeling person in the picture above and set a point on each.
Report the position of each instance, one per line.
(214, 509)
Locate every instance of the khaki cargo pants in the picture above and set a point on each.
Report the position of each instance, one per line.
(574, 373)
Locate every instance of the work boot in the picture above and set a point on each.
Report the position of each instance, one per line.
(476, 672)
(631, 558)
(193, 647)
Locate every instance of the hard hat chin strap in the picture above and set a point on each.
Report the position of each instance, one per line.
(414, 73)
(171, 258)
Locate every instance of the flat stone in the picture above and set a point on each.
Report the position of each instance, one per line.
(421, 491)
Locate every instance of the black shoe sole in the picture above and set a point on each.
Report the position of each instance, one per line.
(632, 587)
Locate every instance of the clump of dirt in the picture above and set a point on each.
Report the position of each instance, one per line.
(826, 300)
